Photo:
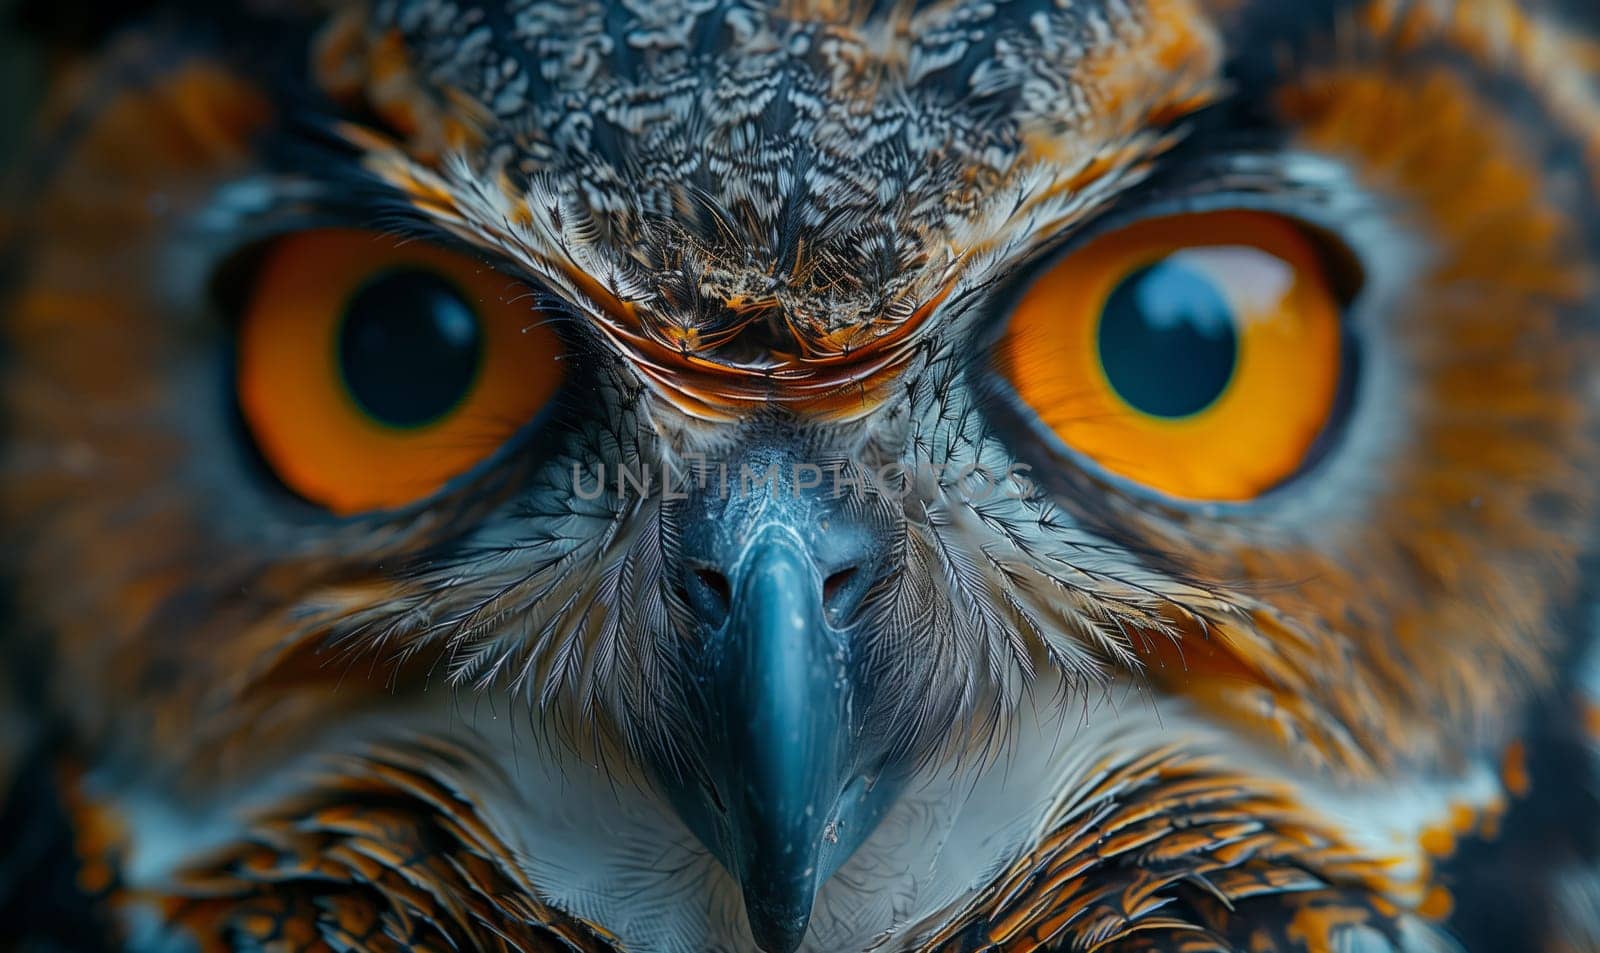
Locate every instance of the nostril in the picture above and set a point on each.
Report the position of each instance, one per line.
(715, 594)
(717, 583)
(839, 589)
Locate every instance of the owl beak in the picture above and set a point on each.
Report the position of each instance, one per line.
(790, 793)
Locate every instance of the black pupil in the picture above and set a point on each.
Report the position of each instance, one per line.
(1167, 340)
(409, 348)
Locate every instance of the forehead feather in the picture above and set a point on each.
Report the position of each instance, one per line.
(822, 170)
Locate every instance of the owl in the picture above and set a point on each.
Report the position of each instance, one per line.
(918, 476)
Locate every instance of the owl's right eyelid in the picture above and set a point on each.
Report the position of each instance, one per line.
(372, 375)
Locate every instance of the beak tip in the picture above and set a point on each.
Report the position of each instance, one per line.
(780, 888)
(777, 930)
(783, 756)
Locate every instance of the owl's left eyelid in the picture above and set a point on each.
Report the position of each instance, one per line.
(1312, 189)
(1204, 357)
(1321, 224)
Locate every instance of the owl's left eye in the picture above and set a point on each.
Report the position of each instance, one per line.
(1199, 355)
(371, 373)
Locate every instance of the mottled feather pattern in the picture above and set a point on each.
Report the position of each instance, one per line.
(1010, 138)
(794, 223)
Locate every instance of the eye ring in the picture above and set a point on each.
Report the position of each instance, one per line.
(370, 374)
(1203, 357)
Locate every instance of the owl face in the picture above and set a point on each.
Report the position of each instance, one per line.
(769, 401)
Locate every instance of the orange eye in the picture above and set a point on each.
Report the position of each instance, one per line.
(1199, 355)
(371, 372)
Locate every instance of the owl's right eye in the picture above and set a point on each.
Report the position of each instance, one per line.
(372, 373)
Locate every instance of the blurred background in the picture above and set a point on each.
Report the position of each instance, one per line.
(19, 82)
(19, 89)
